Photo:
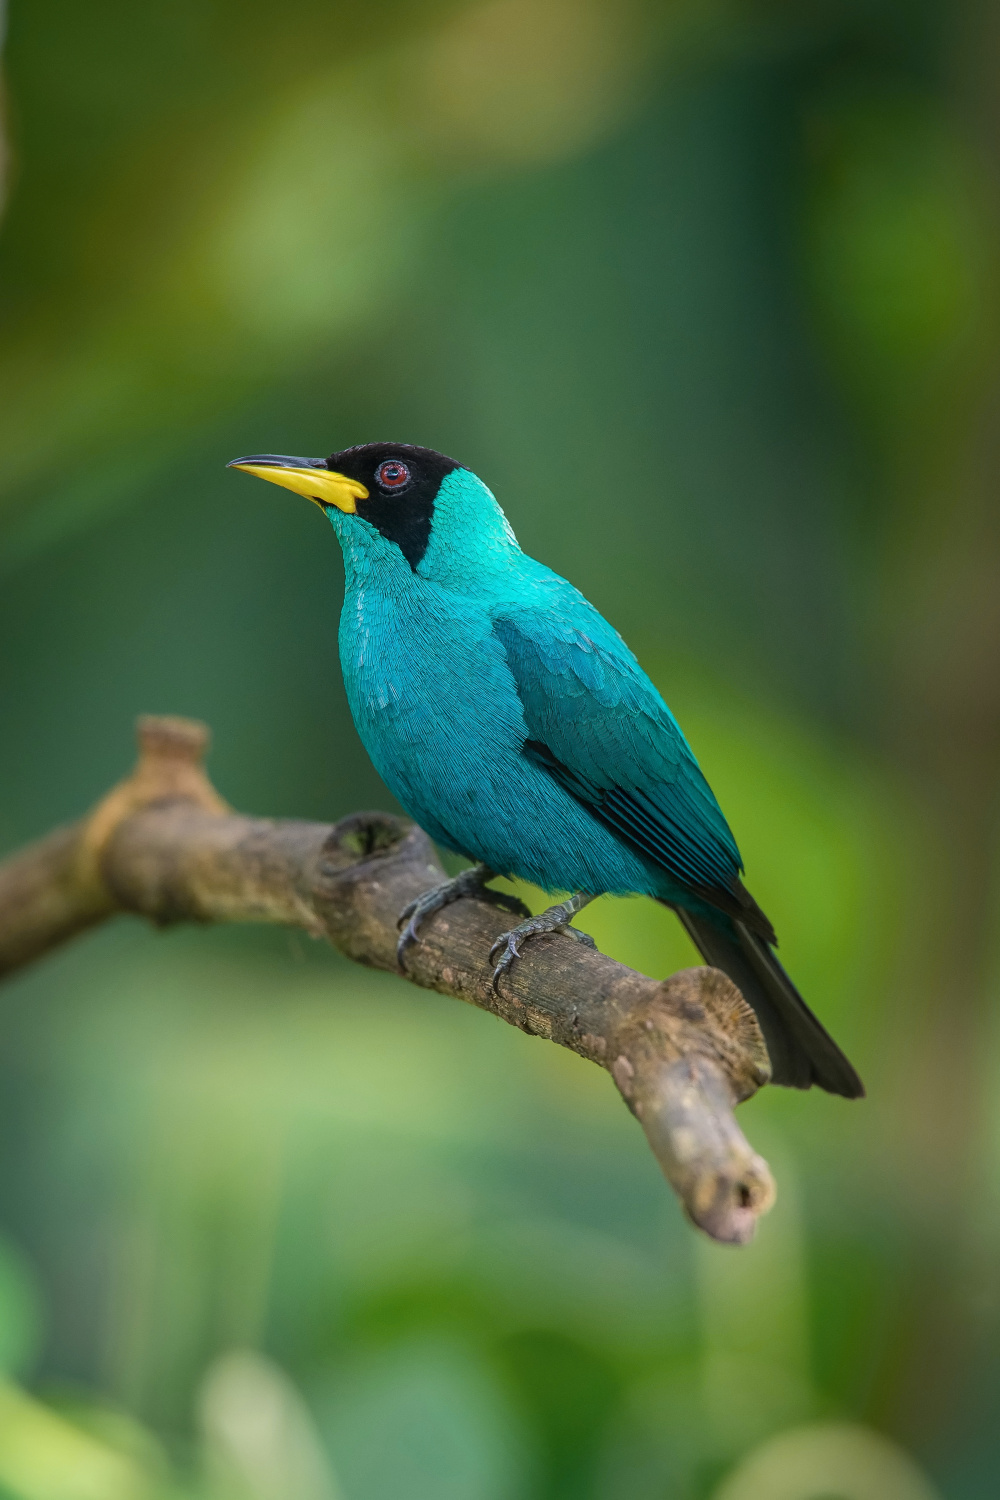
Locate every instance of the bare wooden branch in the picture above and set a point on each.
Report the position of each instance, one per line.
(165, 846)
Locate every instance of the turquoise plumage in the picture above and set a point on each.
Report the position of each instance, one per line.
(517, 728)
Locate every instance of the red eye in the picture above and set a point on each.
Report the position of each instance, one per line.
(392, 475)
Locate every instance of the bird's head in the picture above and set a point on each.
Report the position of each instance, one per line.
(394, 501)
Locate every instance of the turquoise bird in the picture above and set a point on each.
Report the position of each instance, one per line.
(515, 726)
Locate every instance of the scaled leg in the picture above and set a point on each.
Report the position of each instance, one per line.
(555, 919)
(469, 883)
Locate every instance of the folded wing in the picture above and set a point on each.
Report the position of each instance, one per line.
(597, 724)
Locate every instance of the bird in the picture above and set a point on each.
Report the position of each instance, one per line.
(515, 726)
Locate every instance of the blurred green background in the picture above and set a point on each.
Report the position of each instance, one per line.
(709, 293)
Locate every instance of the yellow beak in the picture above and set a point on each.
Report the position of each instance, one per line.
(306, 476)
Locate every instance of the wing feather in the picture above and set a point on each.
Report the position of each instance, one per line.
(600, 728)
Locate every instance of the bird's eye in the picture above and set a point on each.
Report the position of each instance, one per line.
(392, 475)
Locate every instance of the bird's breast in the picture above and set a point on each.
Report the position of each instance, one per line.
(438, 711)
(426, 678)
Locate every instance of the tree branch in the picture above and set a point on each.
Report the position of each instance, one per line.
(163, 845)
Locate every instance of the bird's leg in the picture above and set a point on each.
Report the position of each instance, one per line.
(554, 919)
(469, 883)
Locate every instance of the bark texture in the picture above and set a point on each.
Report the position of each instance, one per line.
(163, 845)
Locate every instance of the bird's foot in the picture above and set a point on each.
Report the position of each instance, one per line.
(469, 883)
(554, 919)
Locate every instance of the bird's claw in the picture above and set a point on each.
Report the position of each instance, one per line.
(508, 942)
(421, 907)
(408, 924)
(468, 883)
(553, 920)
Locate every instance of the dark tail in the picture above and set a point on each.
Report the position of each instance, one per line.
(801, 1052)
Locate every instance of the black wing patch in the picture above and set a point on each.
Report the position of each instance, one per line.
(660, 838)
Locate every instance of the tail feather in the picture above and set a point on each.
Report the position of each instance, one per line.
(801, 1051)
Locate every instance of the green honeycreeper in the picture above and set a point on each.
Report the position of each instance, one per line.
(514, 724)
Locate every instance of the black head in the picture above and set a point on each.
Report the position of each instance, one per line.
(392, 486)
(402, 483)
